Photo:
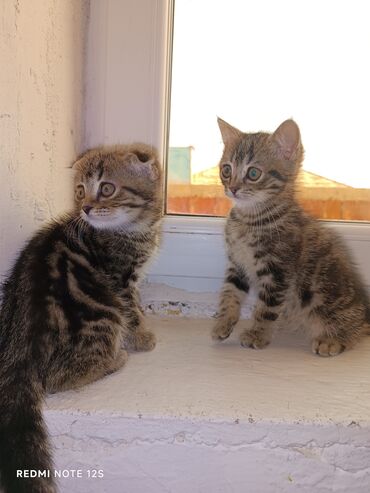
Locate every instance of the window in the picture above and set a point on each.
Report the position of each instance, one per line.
(126, 100)
(255, 64)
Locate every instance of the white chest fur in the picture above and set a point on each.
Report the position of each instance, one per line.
(243, 243)
(244, 256)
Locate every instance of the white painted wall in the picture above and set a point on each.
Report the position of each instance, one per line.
(41, 120)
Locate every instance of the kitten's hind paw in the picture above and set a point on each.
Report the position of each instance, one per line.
(143, 340)
(327, 347)
(118, 362)
(221, 330)
(255, 339)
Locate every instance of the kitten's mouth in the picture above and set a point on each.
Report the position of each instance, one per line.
(245, 200)
(97, 216)
(106, 219)
(229, 194)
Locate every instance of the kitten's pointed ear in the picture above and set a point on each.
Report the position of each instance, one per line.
(287, 138)
(228, 132)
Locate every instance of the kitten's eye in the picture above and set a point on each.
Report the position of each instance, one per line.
(107, 189)
(254, 173)
(226, 171)
(80, 192)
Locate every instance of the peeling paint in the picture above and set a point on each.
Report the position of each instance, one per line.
(163, 300)
(180, 309)
(205, 456)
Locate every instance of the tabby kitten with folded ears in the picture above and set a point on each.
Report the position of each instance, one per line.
(299, 271)
(70, 306)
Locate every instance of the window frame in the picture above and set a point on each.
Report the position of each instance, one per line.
(192, 256)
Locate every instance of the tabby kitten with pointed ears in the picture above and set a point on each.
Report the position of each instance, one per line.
(70, 307)
(299, 271)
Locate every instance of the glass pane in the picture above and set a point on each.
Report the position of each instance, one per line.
(255, 64)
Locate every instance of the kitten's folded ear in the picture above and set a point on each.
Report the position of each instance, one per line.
(143, 164)
(80, 158)
(76, 163)
(287, 140)
(228, 132)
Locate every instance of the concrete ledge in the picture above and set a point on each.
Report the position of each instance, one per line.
(193, 416)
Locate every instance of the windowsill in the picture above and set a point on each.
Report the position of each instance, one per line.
(193, 413)
(189, 376)
(192, 255)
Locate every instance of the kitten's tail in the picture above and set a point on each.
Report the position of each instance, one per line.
(24, 445)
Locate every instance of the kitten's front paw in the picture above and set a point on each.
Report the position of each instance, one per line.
(255, 339)
(221, 330)
(324, 346)
(143, 340)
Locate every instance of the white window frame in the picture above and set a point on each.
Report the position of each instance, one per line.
(127, 99)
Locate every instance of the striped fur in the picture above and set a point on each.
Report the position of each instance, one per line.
(300, 272)
(70, 306)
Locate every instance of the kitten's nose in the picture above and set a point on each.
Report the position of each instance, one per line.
(233, 190)
(86, 209)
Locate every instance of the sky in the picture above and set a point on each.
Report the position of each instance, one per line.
(257, 63)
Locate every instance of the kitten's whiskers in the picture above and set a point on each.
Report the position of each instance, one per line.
(75, 229)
